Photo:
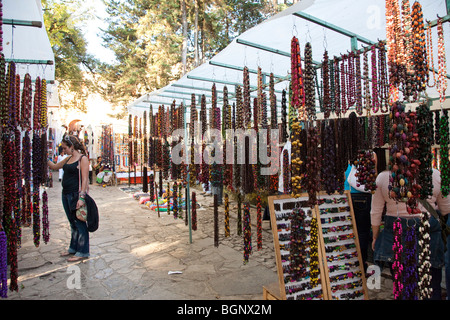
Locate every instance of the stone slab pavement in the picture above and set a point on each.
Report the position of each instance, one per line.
(137, 255)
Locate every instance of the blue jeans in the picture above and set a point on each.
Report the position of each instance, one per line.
(79, 242)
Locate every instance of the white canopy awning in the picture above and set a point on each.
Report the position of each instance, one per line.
(326, 24)
(23, 43)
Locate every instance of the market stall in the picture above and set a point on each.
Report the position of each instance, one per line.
(26, 71)
(333, 80)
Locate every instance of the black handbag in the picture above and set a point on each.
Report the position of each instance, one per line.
(91, 207)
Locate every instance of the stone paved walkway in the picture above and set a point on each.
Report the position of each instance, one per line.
(134, 252)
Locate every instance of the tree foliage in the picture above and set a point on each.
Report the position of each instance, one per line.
(69, 48)
(146, 37)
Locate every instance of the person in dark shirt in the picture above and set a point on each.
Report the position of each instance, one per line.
(73, 193)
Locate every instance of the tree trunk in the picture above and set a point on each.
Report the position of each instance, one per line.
(184, 26)
(196, 53)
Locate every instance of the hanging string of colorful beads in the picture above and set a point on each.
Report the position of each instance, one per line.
(313, 253)
(424, 153)
(410, 265)
(45, 221)
(423, 260)
(258, 223)
(216, 221)
(227, 215)
(444, 165)
(247, 233)
(297, 81)
(3, 265)
(442, 64)
(194, 211)
(397, 266)
(175, 200)
(297, 245)
(296, 162)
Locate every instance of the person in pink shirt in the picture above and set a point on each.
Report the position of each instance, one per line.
(382, 241)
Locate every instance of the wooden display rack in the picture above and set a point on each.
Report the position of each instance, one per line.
(340, 263)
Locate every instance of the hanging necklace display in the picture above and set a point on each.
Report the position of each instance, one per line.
(383, 82)
(216, 221)
(258, 223)
(328, 173)
(245, 103)
(296, 162)
(375, 101)
(227, 215)
(3, 265)
(419, 49)
(175, 200)
(425, 156)
(424, 289)
(366, 170)
(358, 87)
(313, 253)
(398, 158)
(430, 56)
(397, 266)
(444, 165)
(325, 75)
(284, 130)
(26, 194)
(286, 172)
(204, 177)
(312, 165)
(194, 211)
(247, 232)
(239, 214)
(297, 245)
(410, 265)
(442, 64)
(238, 125)
(297, 82)
(310, 102)
(343, 77)
(366, 93)
(45, 221)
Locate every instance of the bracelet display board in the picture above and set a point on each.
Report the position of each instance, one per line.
(281, 208)
(340, 263)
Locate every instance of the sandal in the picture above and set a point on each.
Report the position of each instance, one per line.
(65, 254)
(76, 259)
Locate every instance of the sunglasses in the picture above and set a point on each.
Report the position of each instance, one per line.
(67, 139)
